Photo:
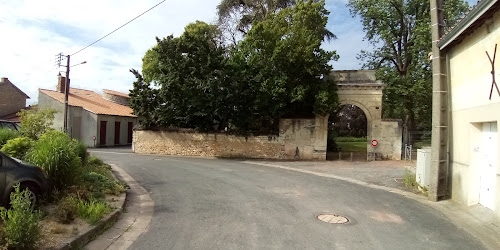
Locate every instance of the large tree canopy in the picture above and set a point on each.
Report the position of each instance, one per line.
(400, 32)
(193, 81)
(239, 15)
(290, 41)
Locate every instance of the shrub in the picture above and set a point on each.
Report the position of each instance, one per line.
(21, 224)
(67, 210)
(18, 147)
(7, 134)
(92, 211)
(100, 183)
(34, 123)
(59, 160)
(94, 160)
(410, 179)
(80, 150)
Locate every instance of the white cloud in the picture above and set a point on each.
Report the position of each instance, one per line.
(34, 31)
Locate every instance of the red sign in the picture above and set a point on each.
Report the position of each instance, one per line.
(374, 143)
(93, 137)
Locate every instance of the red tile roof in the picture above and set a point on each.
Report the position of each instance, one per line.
(112, 92)
(91, 101)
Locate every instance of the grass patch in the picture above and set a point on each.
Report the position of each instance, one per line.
(350, 139)
(352, 146)
(421, 144)
(92, 211)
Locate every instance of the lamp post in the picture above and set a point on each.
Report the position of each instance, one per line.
(66, 94)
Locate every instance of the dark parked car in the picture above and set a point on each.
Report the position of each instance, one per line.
(9, 124)
(13, 171)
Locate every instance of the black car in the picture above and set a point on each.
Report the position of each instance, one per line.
(13, 171)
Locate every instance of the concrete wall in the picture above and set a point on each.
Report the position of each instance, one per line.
(45, 101)
(470, 83)
(390, 143)
(11, 100)
(304, 138)
(306, 135)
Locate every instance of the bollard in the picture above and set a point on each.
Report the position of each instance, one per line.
(351, 156)
(340, 156)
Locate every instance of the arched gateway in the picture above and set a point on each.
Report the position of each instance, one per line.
(360, 88)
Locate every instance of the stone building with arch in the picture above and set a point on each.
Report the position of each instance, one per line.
(361, 89)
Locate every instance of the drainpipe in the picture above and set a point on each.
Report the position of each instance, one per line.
(438, 185)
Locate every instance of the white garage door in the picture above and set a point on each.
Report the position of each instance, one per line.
(489, 164)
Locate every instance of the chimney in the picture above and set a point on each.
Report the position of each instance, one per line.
(5, 79)
(61, 83)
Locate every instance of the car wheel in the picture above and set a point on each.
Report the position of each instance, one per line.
(33, 193)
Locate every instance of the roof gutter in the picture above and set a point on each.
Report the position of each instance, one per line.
(468, 20)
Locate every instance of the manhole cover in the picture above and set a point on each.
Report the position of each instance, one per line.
(332, 218)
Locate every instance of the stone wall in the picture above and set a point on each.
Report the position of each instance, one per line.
(301, 139)
(207, 144)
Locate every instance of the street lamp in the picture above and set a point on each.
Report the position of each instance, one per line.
(66, 93)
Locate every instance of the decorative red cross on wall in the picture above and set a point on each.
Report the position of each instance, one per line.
(494, 83)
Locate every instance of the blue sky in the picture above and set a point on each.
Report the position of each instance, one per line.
(34, 31)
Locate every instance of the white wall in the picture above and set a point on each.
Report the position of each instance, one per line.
(470, 83)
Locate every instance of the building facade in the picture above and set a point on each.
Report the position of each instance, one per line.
(474, 103)
(12, 99)
(92, 119)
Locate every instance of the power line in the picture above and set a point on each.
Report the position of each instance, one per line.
(118, 28)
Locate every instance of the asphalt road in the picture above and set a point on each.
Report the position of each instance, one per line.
(227, 204)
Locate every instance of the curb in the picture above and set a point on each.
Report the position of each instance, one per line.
(92, 231)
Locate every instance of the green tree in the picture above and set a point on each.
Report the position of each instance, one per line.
(36, 122)
(284, 54)
(194, 81)
(187, 71)
(143, 100)
(241, 14)
(400, 33)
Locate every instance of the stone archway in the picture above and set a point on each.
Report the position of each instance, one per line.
(360, 88)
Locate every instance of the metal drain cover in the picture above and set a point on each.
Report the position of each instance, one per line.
(332, 218)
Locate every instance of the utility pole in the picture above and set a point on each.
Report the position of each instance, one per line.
(438, 186)
(66, 93)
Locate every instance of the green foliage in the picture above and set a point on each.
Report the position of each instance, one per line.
(18, 147)
(241, 15)
(7, 134)
(288, 63)
(80, 149)
(92, 211)
(351, 139)
(94, 160)
(56, 154)
(410, 179)
(34, 123)
(99, 183)
(352, 146)
(400, 32)
(276, 71)
(21, 224)
(67, 210)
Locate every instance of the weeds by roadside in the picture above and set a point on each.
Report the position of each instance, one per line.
(21, 229)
